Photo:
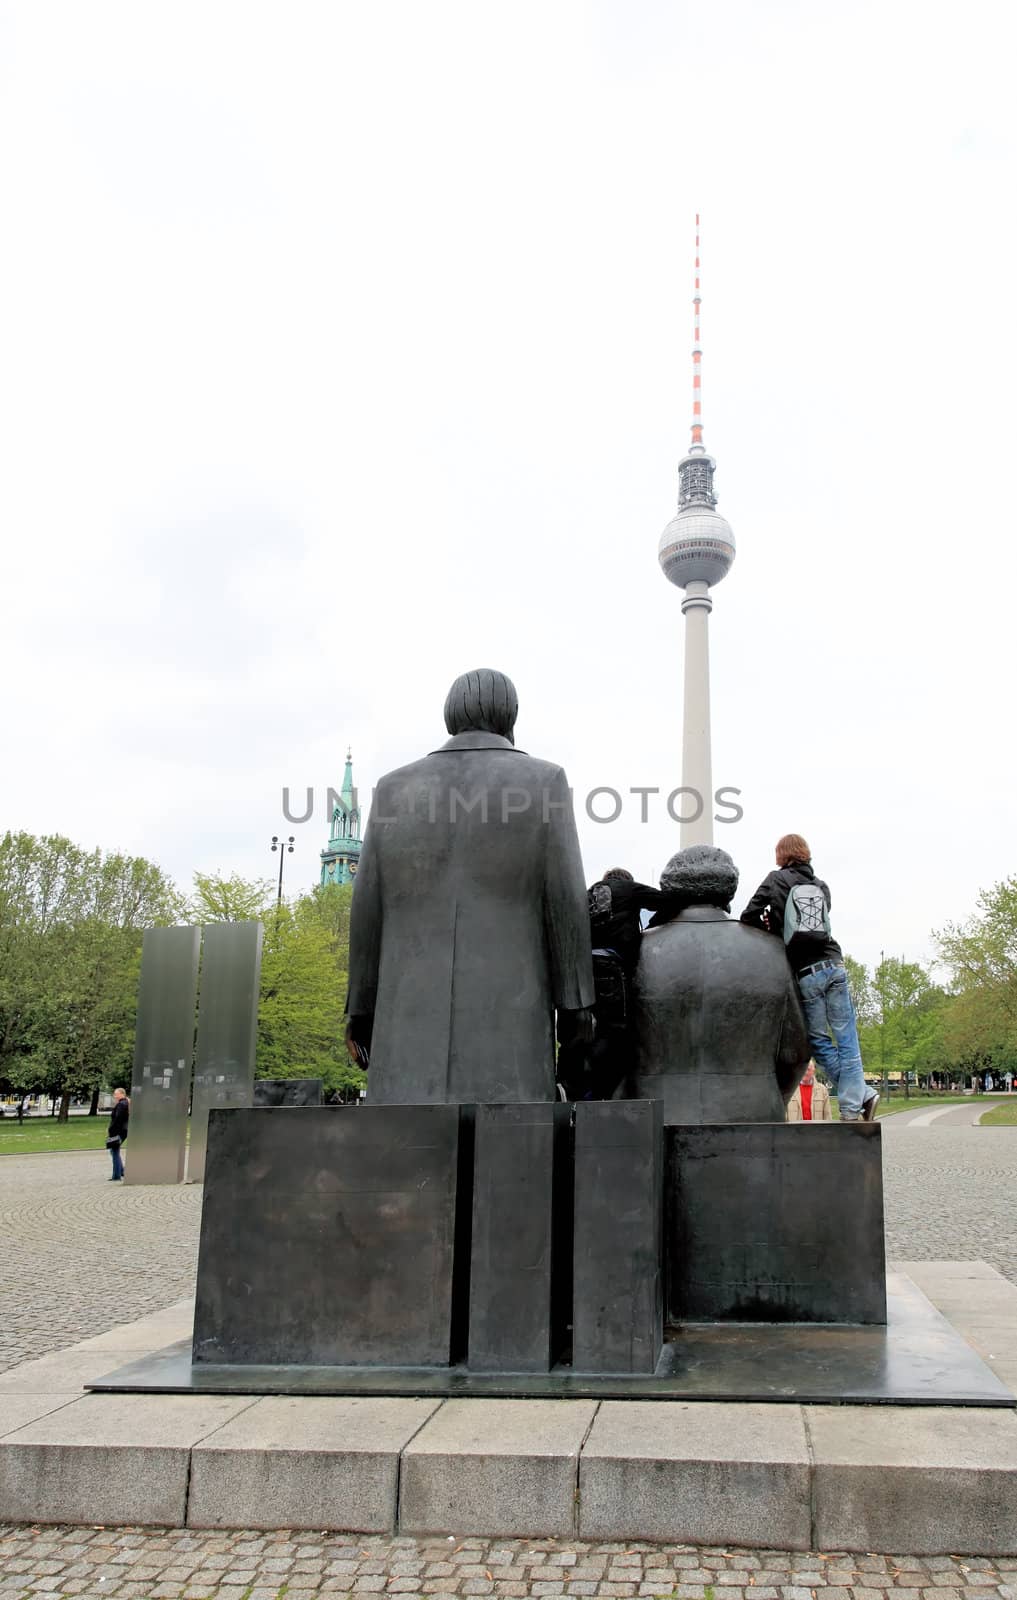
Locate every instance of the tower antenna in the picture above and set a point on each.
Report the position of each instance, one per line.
(697, 357)
(695, 552)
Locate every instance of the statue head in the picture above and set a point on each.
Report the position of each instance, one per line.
(702, 875)
(483, 701)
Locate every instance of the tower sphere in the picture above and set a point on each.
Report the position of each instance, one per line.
(697, 546)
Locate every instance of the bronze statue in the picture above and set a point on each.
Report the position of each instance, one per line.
(469, 923)
(719, 1030)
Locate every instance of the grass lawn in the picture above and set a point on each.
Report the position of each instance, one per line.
(38, 1134)
(1004, 1116)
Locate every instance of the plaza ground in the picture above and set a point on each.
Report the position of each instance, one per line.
(81, 1254)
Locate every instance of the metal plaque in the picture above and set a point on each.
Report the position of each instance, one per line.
(163, 1048)
(227, 1028)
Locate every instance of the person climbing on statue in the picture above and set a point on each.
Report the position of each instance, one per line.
(593, 1070)
(794, 905)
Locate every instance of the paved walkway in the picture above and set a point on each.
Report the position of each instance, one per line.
(950, 1192)
(93, 1563)
(81, 1254)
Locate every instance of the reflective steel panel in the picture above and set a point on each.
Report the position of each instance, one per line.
(227, 1028)
(163, 1047)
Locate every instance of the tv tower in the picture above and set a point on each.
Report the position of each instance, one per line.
(696, 550)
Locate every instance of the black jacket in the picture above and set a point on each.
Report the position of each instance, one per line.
(118, 1120)
(615, 924)
(772, 896)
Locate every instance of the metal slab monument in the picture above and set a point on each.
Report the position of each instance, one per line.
(227, 1028)
(163, 1050)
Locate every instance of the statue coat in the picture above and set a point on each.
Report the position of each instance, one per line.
(469, 926)
(720, 1033)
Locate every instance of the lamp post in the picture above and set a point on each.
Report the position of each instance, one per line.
(882, 1023)
(277, 844)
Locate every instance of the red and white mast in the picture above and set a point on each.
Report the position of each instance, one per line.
(697, 359)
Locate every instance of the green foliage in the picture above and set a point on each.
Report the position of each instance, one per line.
(860, 986)
(981, 955)
(1001, 1116)
(901, 1018)
(304, 978)
(233, 899)
(71, 922)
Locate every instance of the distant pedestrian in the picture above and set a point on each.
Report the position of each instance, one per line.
(811, 1100)
(116, 1133)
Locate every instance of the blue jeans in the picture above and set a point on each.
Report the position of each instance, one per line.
(118, 1165)
(828, 1010)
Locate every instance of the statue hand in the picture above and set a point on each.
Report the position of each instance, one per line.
(358, 1040)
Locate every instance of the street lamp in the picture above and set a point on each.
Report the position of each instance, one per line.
(277, 844)
(882, 1023)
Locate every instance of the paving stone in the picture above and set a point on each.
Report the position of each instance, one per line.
(495, 1466)
(64, 1466)
(696, 1471)
(311, 1463)
(938, 1478)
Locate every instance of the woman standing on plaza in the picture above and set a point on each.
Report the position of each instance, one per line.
(116, 1133)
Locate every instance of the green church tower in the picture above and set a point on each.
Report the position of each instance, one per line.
(341, 855)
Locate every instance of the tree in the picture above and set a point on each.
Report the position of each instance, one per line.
(903, 991)
(71, 922)
(303, 993)
(981, 955)
(216, 898)
(860, 987)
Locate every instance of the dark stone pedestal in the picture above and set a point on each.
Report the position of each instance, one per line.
(775, 1222)
(619, 1202)
(327, 1238)
(287, 1092)
(521, 1237)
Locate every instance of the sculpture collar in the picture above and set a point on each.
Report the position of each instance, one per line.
(477, 739)
(702, 914)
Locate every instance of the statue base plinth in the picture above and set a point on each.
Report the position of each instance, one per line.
(546, 1239)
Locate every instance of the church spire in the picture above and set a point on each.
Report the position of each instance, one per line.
(340, 858)
(348, 793)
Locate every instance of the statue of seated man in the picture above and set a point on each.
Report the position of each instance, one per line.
(720, 1034)
(469, 925)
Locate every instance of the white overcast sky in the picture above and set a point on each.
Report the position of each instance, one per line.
(347, 346)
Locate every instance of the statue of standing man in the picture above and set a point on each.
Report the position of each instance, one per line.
(469, 926)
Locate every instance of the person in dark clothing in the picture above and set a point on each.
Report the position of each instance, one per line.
(794, 905)
(594, 1070)
(116, 1133)
(615, 902)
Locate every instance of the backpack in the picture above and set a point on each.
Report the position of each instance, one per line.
(805, 914)
(600, 903)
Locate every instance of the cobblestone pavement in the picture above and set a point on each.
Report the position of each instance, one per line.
(950, 1194)
(81, 1254)
(92, 1563)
